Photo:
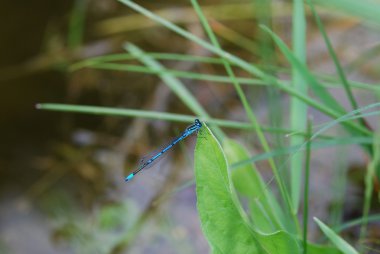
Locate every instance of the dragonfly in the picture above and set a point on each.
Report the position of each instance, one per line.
(194, 128)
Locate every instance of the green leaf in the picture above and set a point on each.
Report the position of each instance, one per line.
(248, 182)
(339, 242)
(280, 242)
(222, 219)
(320, 249)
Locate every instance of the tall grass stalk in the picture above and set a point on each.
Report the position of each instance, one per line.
(298, 109)
(306, 188)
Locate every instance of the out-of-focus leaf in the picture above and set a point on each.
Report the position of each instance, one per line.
(112, 216)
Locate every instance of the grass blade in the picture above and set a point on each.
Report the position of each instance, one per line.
(298, 109)
(339, 242)
(315, 145)
(342, 76)
(174, 84)
(338, 66)
(353, 223)
(242, 64)
(96, 110)
(317, 88)
(76, 24)
(107, 61)
(369, 178)
(306, 189)
(367, 10)
(175, 73)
